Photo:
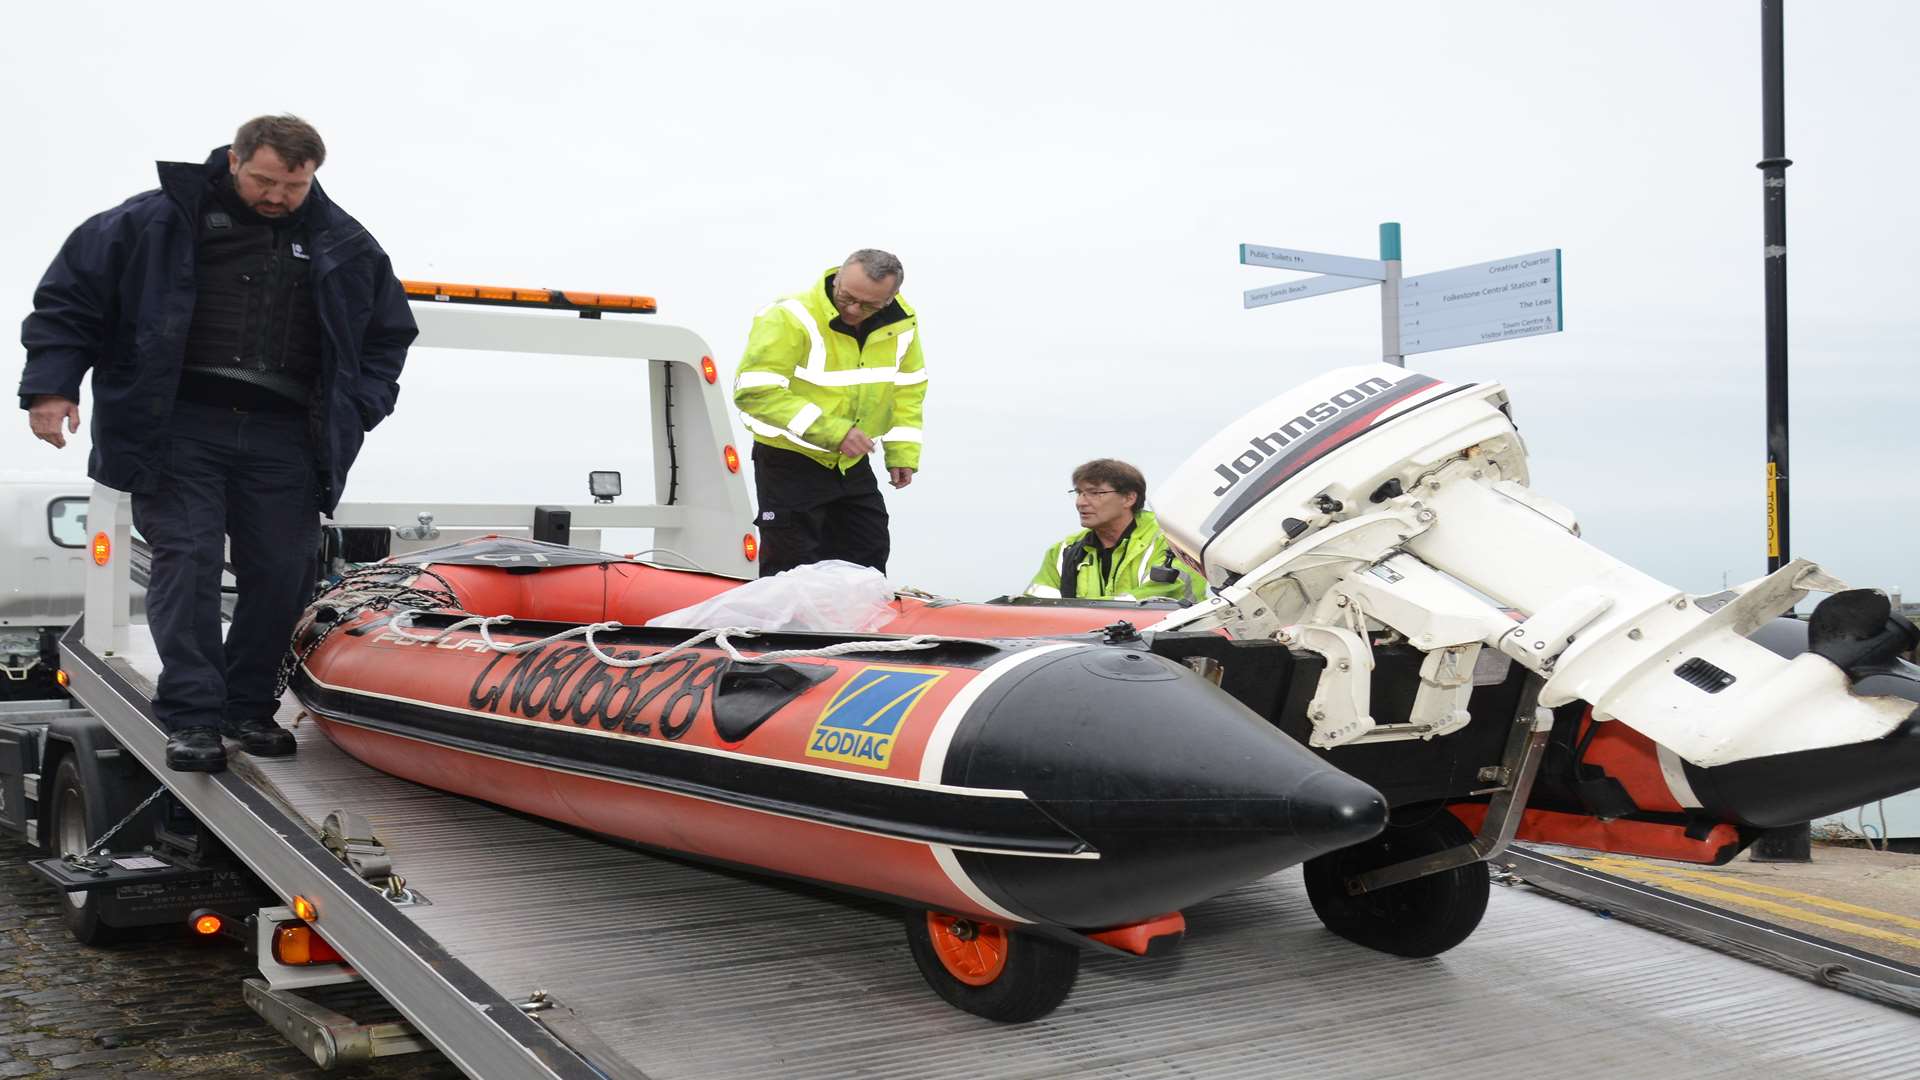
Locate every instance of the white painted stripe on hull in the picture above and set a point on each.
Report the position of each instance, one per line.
(523, 763)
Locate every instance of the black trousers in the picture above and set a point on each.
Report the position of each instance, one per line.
(811, 513)
(250, 476)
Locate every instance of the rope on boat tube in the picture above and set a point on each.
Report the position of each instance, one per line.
(720, 636)
(402, 622)
(374, 588)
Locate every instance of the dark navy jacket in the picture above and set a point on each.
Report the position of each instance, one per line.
(119, 298)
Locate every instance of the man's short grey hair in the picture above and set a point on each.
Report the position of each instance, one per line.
(879, 265)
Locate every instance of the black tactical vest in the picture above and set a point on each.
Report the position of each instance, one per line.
(254, 318)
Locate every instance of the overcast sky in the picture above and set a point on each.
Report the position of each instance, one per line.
(1067, 184)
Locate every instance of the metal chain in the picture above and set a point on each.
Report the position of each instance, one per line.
(108, 835)
(372, 589)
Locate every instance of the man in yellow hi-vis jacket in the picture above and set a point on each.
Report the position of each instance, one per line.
(1119, 552)
(826, 374)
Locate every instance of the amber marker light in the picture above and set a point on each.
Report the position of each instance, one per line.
(751, 546)
(102, 549)
(733, 459)
(303, 909)
(296, 945)
(208, 923)
(706, 368)
(60, 676)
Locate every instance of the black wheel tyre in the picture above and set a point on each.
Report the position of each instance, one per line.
(1423, 917)
(1032, 977)
(70, 833)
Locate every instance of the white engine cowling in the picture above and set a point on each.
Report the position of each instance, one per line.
(1375, 500)
(1342, 437)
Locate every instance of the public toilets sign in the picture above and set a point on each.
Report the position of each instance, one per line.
(1467, 305)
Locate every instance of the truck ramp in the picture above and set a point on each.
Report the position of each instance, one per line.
(684, 970)
(664, 968)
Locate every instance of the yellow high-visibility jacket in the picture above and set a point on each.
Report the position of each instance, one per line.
(803, 384)
(1138, 552)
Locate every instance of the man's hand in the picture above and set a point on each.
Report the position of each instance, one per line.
(45, 414)
(901, 477)
(856, 444)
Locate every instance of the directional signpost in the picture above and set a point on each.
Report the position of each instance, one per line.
(1490, 301)
(1467, 305)
(1313, 262)
(1300, 290)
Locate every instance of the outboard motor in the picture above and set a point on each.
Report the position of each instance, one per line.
(1376, 504)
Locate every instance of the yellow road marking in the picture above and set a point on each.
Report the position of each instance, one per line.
(1687, 886)
(1774, 890)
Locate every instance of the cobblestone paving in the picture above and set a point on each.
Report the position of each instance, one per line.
(162, 1008)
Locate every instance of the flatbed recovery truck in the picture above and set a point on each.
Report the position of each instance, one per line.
(521, 949)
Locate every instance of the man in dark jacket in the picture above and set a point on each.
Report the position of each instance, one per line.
(244, 335)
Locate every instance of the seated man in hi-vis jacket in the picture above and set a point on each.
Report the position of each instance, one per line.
(1119, 552)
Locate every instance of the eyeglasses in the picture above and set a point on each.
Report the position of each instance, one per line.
(841, 298)
(1090, 492)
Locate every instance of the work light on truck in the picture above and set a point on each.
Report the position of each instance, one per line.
(603, 486)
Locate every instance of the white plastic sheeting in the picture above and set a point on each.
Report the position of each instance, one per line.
(830, 596)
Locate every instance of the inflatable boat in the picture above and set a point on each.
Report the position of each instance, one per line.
(1408, 658)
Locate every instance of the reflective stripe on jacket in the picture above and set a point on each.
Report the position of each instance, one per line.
(803, 384)
(1134, 556)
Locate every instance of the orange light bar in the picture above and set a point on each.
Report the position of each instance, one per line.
(296, 945)
(588, 304)
(303, 909)
(706, 368)
(102, 549)
(751, 546)
(207, 924)
(733, 459)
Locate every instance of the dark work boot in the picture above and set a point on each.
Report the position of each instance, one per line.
(261, 737)
(196, 749)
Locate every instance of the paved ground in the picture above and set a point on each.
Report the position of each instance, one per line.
(165, 1008)
(1869, 900)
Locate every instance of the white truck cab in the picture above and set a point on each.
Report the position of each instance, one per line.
(43, 555)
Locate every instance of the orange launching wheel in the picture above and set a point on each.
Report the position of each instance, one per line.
(989, 970)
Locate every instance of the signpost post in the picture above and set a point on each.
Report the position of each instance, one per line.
(1390, 342)
(1792, 843)
(1500, 300)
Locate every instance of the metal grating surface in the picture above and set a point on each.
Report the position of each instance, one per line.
(692, 972)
